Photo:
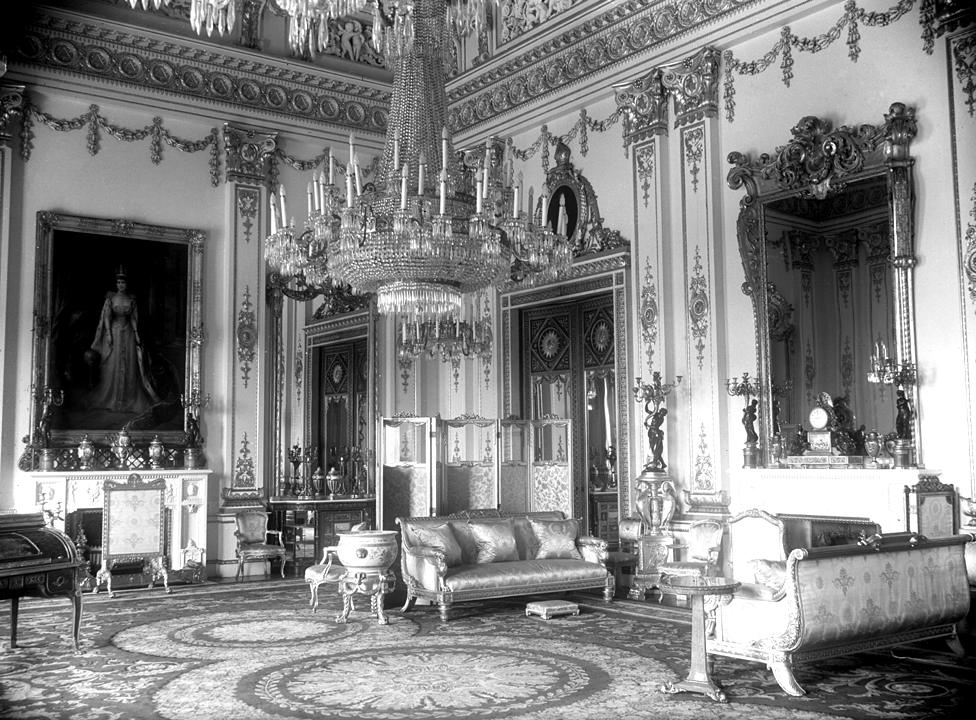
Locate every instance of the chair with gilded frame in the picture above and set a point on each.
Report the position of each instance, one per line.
(703, 550)
(252, 535)
(934, 507)
(133, 531)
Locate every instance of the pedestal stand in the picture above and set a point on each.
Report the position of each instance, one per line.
(375, 585)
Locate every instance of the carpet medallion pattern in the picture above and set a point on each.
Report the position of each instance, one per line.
(257, 653)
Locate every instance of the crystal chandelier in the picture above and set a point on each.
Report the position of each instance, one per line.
(431, 228)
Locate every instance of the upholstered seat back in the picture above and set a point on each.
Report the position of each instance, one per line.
(252, 527)
(754, 535)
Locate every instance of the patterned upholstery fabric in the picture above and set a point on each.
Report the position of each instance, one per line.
(439, 536)
(557, 539)
(771, 573)
(494, 540)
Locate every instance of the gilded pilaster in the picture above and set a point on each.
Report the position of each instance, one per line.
(962, 64)
(255, 413)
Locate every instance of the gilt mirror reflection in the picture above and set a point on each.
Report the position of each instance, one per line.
(338, 400)
(826, 238)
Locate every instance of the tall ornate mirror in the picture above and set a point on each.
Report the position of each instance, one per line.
(339, 400)
(826, 236)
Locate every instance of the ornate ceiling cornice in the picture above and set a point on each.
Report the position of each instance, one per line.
(583, 51)
(108, 53)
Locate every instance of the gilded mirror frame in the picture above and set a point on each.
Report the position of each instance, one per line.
(817, 161)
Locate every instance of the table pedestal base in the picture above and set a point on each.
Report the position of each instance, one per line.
(373, 584)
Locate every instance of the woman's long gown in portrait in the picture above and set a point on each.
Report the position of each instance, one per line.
(121, 386)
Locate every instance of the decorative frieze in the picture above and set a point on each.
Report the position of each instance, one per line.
(165, 64)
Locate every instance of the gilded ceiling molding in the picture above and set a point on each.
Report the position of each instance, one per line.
(11, 105)
(693, 83)
(520, 16)
(248, 153)
(172, 66)
(583, 51)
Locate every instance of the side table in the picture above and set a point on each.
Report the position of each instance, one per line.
(698, 588)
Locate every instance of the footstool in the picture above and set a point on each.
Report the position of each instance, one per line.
(547, 609)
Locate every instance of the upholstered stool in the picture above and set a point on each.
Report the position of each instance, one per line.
(547, 609)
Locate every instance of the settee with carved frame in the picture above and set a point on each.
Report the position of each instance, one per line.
(429, 576)
(828, 601)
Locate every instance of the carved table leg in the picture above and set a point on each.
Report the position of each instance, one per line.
(698, 679)
(76, 618)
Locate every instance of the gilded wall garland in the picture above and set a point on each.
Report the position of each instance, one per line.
(850, 19)
(96, 123)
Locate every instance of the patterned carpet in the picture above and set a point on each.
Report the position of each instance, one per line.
(255, 652)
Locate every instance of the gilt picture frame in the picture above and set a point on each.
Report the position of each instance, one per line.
(117, 329)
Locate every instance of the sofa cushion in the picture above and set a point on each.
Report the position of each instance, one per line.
(771, 573)
(522, 574)
(494, 540)
(435, 535)
(557, 539)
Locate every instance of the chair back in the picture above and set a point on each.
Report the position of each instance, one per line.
(754, 535)
(252, 526)
(931, 508)
(705, 540)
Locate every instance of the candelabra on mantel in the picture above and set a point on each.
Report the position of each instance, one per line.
(888, 371)
(748, 388)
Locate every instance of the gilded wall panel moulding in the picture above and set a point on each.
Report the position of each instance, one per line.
(693, 144)
(247, 335)
(646, 168)
(11, 105)
(582, 51)
(969, 260)
(649, 313)
(165, 64)
(645, 106)
(699, 308)
(704, 478)
(964, 62)
(244, 482)
(247, 209)
(248, 153)
(693, 82)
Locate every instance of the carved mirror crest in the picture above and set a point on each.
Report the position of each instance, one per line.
(826, 237)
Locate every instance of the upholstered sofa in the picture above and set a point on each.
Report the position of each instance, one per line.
(827, 601)
(476, 555)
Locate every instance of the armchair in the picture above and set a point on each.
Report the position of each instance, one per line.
(252, 541)
(704, 549)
